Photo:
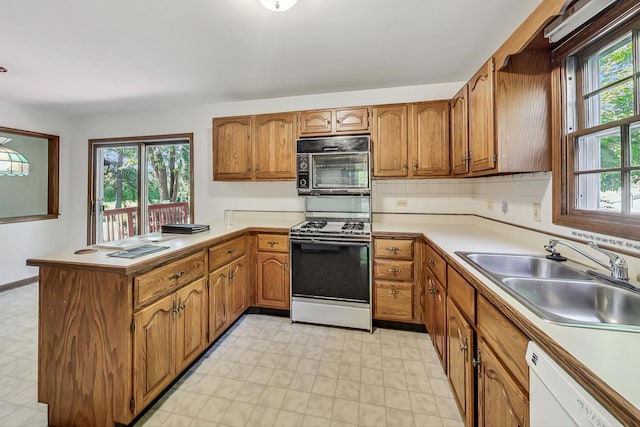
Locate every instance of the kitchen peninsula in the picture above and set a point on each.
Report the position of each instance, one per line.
(112, 331)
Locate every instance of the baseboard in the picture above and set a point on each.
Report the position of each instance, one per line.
(18, 283)
(387, 324)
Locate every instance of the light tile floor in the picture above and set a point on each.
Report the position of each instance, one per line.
(265, 371)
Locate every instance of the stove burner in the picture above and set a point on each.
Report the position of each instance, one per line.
(353, 226)
(316, 224)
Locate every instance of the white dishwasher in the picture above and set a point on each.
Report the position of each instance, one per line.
(556, 399)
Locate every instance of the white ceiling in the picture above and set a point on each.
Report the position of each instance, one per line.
(91, 56)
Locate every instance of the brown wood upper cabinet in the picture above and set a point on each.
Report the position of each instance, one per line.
(334, 121)
(411, 140)
(255, 147)
(459, 124)
(508, 118)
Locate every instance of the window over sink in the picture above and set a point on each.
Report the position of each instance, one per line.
(597, 164)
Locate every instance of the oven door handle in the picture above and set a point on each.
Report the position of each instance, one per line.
(331, 242)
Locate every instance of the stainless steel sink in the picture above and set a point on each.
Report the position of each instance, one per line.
(561, 292)
(524, 266)
(577, 302)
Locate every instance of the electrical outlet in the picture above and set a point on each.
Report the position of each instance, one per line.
(401, 203)
(490, 205)
(536, 215)
(504, 207)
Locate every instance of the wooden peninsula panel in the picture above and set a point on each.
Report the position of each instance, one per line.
(84, 346)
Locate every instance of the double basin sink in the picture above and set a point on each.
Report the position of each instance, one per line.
(563, 293)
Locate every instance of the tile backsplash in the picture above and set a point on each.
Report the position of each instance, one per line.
(512, 198)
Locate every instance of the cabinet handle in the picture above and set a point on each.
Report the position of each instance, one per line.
(393, 292)
(338, 121)
(477, 363)
(176, 275)
(286, 265)
(393, 249)
(230, 251)
(405, 165)
(257, 168)
(249, 169)
(273, 242)
(432, 261)
(393, 270)
(415, 166)
(174, 310)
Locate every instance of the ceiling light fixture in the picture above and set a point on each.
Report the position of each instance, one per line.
(278, 5)
(12, 163)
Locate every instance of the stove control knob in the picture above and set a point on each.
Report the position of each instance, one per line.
(303, 165)
(303, 182)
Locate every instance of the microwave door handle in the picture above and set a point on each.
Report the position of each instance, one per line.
(330, 149)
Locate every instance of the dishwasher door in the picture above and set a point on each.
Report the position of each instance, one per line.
(556, 399)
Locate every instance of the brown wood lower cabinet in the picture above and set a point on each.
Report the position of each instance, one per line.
(460, 351)
(227, 295)
(168, 335)
(435, 315)
(273, 280)
(501, 400)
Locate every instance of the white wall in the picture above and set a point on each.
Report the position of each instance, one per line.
(19, 241)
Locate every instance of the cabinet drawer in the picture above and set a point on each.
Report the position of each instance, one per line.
(391, 269)
(273, 242)
(159, 281)
(224, 252)
(393, 301)
(393, 248)
(437, 264)
(508, 342)
(463, 293)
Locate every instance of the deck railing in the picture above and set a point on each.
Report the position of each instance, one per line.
(123, 222)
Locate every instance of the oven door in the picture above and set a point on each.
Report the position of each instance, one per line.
(331, 270)
(340, 173)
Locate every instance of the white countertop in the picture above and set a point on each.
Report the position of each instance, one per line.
(611, 355)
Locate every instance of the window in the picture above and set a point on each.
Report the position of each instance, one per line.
(597, 178)
(138, 184)
(28, 175)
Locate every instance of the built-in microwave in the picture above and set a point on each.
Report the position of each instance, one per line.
(333, 165)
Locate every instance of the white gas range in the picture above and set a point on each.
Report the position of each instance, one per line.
(330, 263)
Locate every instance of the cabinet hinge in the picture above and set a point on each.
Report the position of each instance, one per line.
(495, 157)
(493, 65)
(449, 107)
(132, 404)
(208, 336)
(208, 285)
(133, 326)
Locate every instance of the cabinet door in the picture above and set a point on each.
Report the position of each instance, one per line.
(430, 304)
(501, 401)
(273, 280)
(389, 135)
(481, 119)
(459, 133)
(274, 144)
(154, 350)
(237, 294)
(191, 322)
(440, 323)
(315, 122)
(459, 353)
(218, 318)
(232, 148)
(352, 120)
(429, 140)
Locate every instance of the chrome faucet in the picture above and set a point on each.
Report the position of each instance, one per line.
(617, 265)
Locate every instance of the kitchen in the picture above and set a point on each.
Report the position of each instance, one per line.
(506, 198)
